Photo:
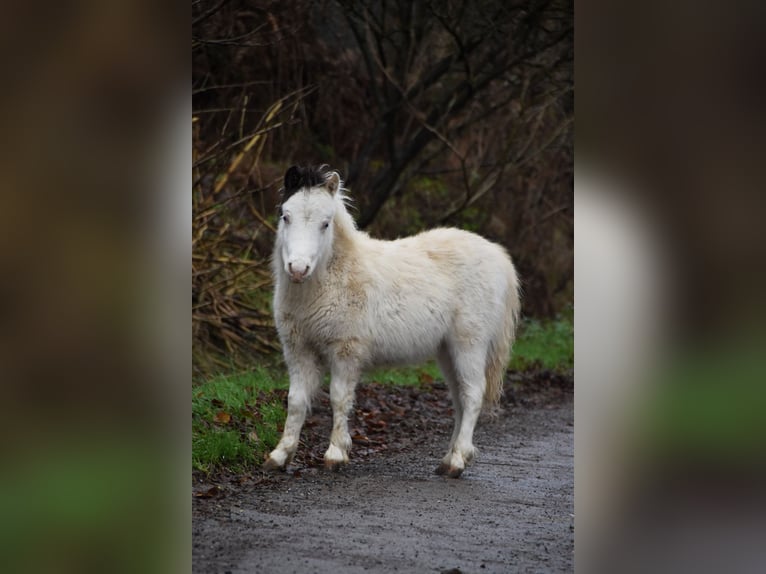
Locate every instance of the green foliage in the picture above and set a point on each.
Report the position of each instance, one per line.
(236, 418)
(406, 376)
(431, 187)
(709, 407)
(62, 496)
(539, 345)
(261, 298)
(544, 344)
(220, 447)
(324, 150)
(273, 416)
(472, 218)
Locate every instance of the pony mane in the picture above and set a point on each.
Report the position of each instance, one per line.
(299, 177)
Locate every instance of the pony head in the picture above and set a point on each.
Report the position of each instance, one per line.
(305, 231)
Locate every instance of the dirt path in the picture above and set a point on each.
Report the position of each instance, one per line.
(511, 511)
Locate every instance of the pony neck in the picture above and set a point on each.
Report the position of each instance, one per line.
(345, 233)
(345, 226)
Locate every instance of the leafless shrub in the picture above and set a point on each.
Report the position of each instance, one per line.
(436, 112)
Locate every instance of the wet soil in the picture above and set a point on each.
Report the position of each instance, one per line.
(512, 511)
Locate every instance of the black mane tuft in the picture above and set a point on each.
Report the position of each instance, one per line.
(297, 178)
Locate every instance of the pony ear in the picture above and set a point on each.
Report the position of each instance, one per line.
(332, 183)
(292, 178)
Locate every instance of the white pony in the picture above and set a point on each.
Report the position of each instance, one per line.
(345, 302)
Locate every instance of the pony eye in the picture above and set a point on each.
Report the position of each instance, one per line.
(325, 225)
(286, 218)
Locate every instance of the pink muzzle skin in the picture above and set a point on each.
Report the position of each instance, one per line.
(296, 274)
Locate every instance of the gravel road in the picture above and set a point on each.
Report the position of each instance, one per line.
(387, 512)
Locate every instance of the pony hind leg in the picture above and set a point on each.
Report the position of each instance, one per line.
(447, 367)
(471, 382)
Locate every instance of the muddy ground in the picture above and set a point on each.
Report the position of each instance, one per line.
(512, 511)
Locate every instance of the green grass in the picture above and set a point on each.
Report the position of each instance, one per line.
(74, 490)
(236, 419)
(539, 345)
(708, 406)
(405, 376)
(544, 344)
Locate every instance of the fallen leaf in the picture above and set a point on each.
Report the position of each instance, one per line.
(222, 417)
(357, 437)
(208, 493)
(252, 436)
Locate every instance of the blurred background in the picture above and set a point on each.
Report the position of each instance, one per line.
(670, 399)
(95, 162)
(99, 153)
(434, 113)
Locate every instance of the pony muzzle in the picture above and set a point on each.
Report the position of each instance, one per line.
(298, 271)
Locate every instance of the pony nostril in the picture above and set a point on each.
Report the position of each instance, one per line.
(298, 271)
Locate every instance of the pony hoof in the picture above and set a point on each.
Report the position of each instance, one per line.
(334, 465)
(450, 471)
(271, 465)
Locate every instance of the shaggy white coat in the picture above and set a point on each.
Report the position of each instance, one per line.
(346, 302)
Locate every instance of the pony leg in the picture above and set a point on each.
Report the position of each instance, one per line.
(446, 366)
(342, 384)
(305, 378)
(469, 368)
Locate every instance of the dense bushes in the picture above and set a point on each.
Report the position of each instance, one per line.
(434, 112)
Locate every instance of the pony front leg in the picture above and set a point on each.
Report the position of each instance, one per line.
(305, 378)
(342, 386)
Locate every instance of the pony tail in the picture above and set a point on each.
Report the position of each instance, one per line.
(500, 346)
